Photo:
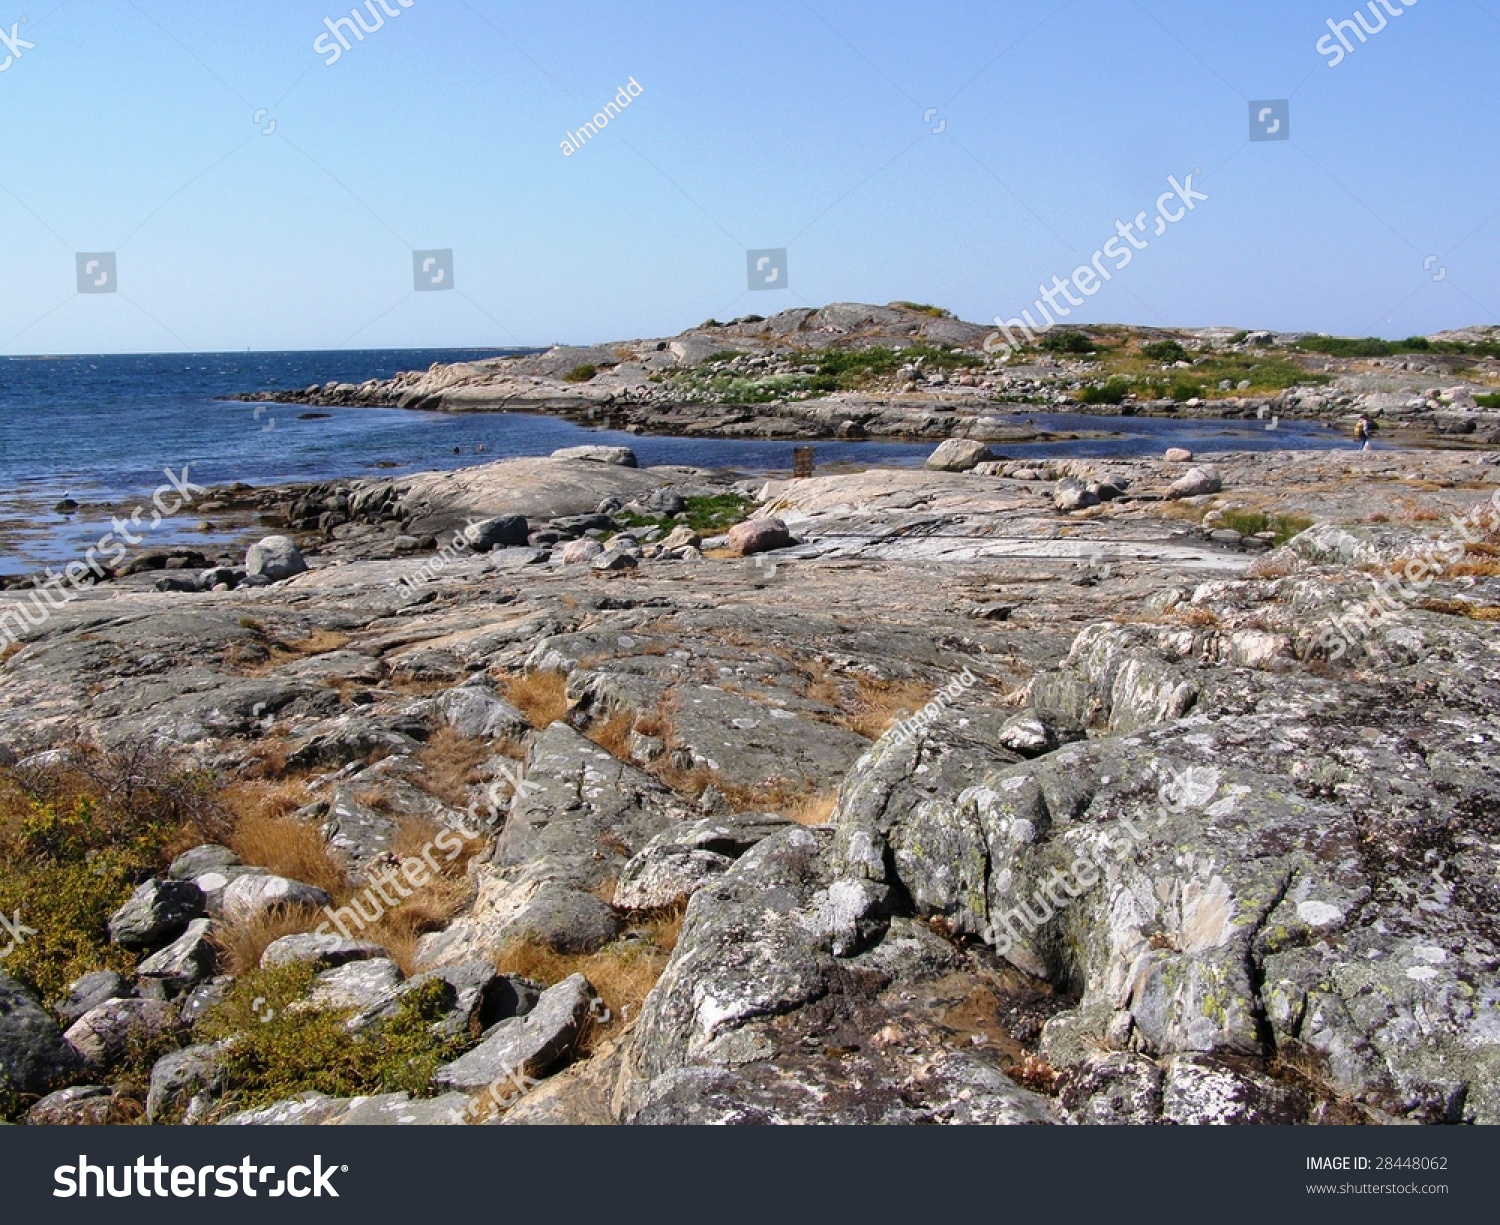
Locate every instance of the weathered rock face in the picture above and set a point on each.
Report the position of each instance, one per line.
(579, 817)
(789, 1000)
(959, 455)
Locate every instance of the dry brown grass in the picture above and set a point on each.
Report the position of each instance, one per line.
(540, 696)
(10, 652)
(879, 704)
(813, 809)
(1269, 566)
(613, 735)
(1460, 608)
(241, 944)
(1195, 618)
(622, 974)
(450, 766)
(267, 835)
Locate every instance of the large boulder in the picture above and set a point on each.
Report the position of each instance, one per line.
(183, 1084)
(1071, 494)
(621, 457)
(959, 455)
(758, 536)
(1195, 483)
(157, 912)
(274, 558)
(34, 1056)
(501, 532)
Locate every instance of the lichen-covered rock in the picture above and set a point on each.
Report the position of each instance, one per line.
(157, 912)
(34, 1056)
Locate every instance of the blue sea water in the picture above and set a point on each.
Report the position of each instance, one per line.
(101, 429)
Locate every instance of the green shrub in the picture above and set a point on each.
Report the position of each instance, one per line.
(934, 312)
(275, 1051)
(1186, 389)
(1112, 392)
(706, 515)
(580, 374)
(1165, 351)
(1252, 523)
(1071, 343)
(1491, 400)
(75, 840)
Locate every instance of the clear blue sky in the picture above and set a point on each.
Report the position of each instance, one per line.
(129, 127)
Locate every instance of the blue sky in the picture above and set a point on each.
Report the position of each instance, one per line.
(131, 127)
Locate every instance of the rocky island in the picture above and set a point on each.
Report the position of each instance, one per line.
(562, 790)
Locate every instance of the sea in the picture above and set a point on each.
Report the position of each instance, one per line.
(101, 430)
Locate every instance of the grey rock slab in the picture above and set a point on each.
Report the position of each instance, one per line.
(82, 1106)
(177, 1079)
(529, 1046)
(355, 986)
(320, 952)
(184, 963)
(92, 990)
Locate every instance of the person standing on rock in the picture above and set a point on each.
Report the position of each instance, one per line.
(1363, 429)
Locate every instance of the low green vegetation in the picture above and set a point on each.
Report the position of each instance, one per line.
(817, 372)
(1253, 523)
(1112, 392)
(580, 374)
(1072, 344)
(275, 1050)
(922, 308)
(1491, 400)
(75, 840)
(707, 515)
(1165, 351)
(1370, 346)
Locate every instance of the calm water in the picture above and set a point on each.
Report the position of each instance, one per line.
(101, 429)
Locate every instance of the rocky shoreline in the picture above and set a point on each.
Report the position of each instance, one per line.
(899, 372)
(1205, 840)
